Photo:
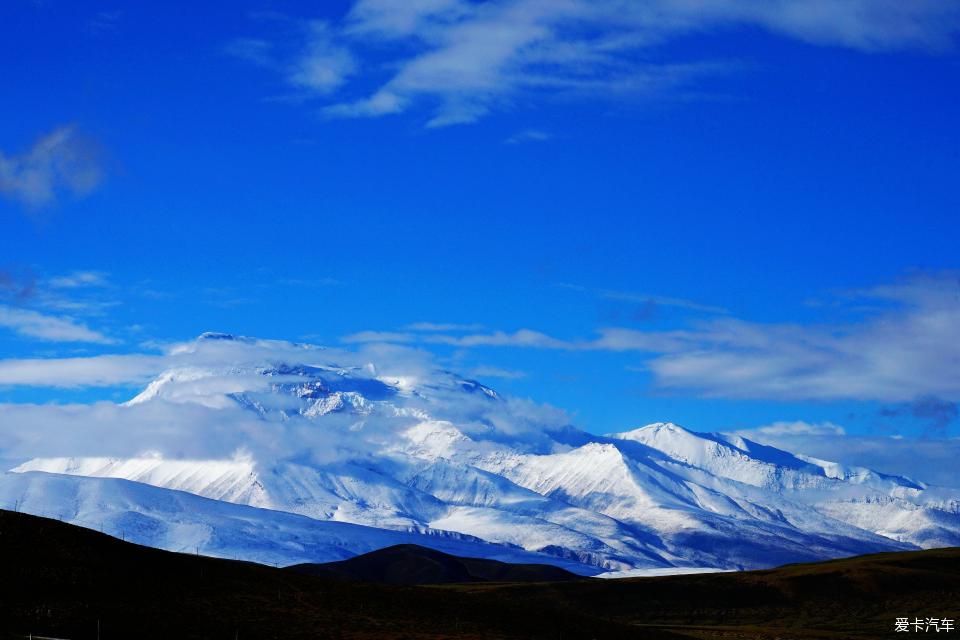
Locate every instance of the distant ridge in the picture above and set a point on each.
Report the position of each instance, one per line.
(413, 564)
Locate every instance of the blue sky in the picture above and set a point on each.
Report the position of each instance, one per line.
(727, 214)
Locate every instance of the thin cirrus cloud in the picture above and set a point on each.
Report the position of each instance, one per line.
(47, 309)
(80, 280)
(485, 371)
(61, 162)
(459, 60)
(529, 135)
(646, 299)
(907, 347)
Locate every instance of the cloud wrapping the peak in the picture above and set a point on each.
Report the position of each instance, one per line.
(190, 407)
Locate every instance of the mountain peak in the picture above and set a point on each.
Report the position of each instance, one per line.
(652, 430)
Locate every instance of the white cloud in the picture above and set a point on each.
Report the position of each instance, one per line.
(60, 162)
(195, 419)
(463, 59)
(108, 429)
(79, 280)
(608, 339)
(520, 338)
(214, 351)
(903, 350)
(71, 373)
(795, 428)
(33, 324)
(325, 65)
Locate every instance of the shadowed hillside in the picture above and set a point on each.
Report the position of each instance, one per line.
(60, 580)
(413, 564)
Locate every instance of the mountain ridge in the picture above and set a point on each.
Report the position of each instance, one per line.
(431, 450)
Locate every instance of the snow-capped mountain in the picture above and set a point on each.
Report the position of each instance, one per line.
(432, 454)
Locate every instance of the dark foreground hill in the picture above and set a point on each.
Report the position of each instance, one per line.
(413, 564)
(62, 581)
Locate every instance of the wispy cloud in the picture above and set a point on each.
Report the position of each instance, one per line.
(794, 428)
(607, 339)
(79, 280)
(907, 348)
(529, 135)
(34, 324)
(79, 293)
(647, 300)
(60, 162)
(903, 351)
(459, 60)
(47, 308)
(484, 371)
(520, 338)
(325, 65)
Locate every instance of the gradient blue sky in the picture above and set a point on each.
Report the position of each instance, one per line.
(726, 214)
